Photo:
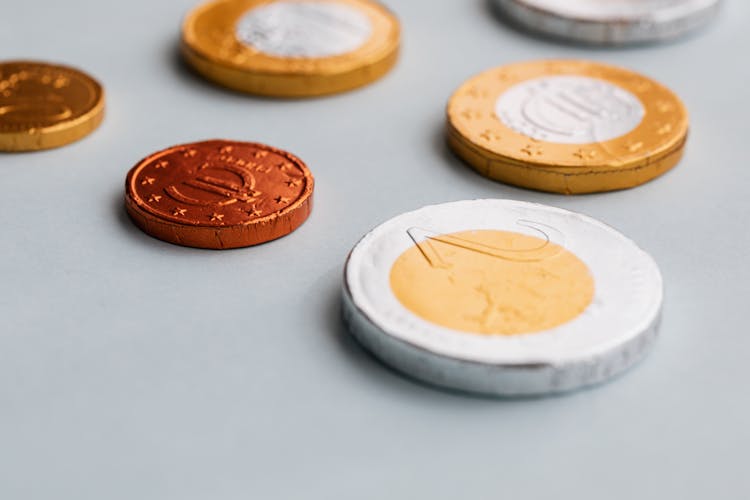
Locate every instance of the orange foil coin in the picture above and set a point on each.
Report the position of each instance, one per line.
(219, 194)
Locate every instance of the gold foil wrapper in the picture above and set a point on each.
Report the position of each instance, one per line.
(44, 106)
(496, 150)
(211, 46)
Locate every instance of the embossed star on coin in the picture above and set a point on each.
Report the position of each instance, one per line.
(45, 106)
(215, 198)
(567, 126)
(254, 212)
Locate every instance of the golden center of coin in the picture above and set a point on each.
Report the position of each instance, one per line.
(44, 105)
(492, 282)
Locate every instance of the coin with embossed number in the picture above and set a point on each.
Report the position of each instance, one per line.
(567, 126)
(291, 48)
(44, 106)
(219, 194)
(502, 297)
(611, 22)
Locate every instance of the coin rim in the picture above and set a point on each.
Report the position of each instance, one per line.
(489, 85)
(615, 31)
(576, 180)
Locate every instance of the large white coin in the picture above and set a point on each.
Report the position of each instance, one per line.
(502, 297)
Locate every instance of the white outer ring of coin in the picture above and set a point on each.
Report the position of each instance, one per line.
(612, 334)
(599, 27)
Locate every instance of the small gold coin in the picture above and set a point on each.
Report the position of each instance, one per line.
(291, 48)
(567, 126)
(44, 106)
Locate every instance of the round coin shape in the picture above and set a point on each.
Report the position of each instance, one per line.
(219, 194)
(567, 126)
(45, 106)
(502, 297)
(291, 48)
(614, 22)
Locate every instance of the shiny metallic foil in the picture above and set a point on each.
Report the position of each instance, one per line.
(45, 105)
(568, 126)
(615, 22)
(502, 297)
(219, 194)
(291, 49)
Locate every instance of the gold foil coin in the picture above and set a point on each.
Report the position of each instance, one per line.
(44, 106)
(567, 126)
(291, 48)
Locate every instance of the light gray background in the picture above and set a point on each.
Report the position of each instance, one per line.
(134, 369)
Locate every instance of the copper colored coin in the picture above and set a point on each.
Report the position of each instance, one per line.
(219, 194)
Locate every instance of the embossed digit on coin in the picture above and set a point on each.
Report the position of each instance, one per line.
(567, 126)
(614, 22)
(44, 105)
(219, 194)
(502, 297)
(291, 48)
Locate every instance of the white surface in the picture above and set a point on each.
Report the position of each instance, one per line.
(134, 369)
(569, 109)
(304, 29)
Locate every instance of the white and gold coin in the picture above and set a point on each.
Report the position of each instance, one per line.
(567, 126)
(291, 48)
(611, 22)
(502, 297)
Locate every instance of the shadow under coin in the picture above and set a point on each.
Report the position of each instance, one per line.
(384, 374)
(134, 232)
(181, 69)
(521, 32)
(126, 224)
(480, 185)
